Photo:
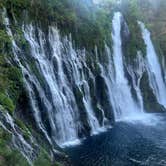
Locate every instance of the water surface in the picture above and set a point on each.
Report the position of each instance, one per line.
(126, 144)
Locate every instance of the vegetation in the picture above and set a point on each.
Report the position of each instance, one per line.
(8, 156)
(10, 76)
(90, 26)
(43, 159)
(24, 129)
(11, 157)
(153, 14)
(132, 14)
(7, 103)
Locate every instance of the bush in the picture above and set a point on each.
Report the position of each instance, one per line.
(7, 103)
(5, 42)
(10, 157)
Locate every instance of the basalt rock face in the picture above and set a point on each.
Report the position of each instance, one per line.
(72, 93)
(150, 101)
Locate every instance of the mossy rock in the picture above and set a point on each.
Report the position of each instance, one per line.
(43, 159)
(83, 114)
(103, 98)
(7, 103)
(150, 101)
(9, 156)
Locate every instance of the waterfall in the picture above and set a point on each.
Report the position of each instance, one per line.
(123, 102)
(25, 71)
(154, 67)
(124, 106)
(63, 85)
(136, 75)
(51, 90)
(59, 111)
(62, 110)
(6, 120)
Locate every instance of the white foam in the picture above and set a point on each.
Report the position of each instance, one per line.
(79, 141)
(71, 143)
(143, 118)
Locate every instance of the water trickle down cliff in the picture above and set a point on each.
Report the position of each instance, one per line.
(71, 97)
(153, 67)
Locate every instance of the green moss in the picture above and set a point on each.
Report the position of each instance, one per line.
(12, 157)
(43, 159)
(8, 156)
(11, 81)
(89, 25)
(7, 103)
(19, 36)
(5, 41)
(15, 77)
(57, 164)
(16, 7)
(35, 70)
(134, 43)
(10, 85)
(10, 76)
(25, 130)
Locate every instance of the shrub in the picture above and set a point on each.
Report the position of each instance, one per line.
(7, 103)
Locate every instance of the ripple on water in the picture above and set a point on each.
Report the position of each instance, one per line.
(128, 143)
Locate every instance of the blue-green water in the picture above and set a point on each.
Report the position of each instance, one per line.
(126, 144)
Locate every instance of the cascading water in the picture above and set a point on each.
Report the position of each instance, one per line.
(25, 71)
(62, 115)
(154, 67)
(124, 106)
(123, 102)
(59, 83)
(136, 75)
(55, 93)
(62, 110)
(7, 121)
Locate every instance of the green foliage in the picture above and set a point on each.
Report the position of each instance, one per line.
(10, 76)
(25, 130)
(93, 30)
(5, 42)
(15, 83)
(19, 37)
(57, 164)
(133, 9)
(11, 157)
(10, 84)
(35, 70)
(154, 16)
(7, 103)
(43, 159)
(16, 7)
(131, 12)
(89, 25)
(135, 42)
(8, 156)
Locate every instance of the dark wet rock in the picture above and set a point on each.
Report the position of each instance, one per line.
(150, 101)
